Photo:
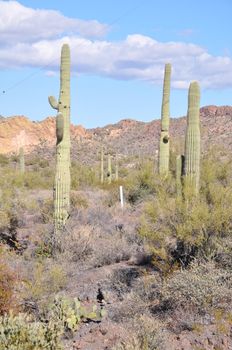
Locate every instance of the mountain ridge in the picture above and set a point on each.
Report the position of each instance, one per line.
(127, 134)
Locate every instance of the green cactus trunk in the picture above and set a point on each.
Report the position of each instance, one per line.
(102, 165)
(109, 172)
(62, 176)
(179, 174)
(165, 113)
(192, 140)
(21, 160)
(116, 168)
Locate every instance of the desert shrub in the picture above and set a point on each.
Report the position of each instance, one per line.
(83, 175)
(202, 287)
(4, 160)
(44, 279)
(8, 282)
(78, 201)
(140, 183)
(47, 211)
(146, 334)
(178, 230)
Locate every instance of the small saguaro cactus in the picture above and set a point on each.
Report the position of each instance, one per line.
(102, 165)
(116, 167)
(192, 139)
(21, 160)
(109, 170)
(62, 176)
(165, 114)
(179, 174)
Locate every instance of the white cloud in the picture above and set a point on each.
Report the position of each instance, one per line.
(20, 23)
(40, 34)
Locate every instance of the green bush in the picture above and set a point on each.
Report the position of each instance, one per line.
(179, 230)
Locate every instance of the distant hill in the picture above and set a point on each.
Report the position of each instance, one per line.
(127, 137)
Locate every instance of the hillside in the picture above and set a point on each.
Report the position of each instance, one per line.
(127, 137)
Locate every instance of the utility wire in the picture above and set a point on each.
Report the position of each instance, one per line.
(29, 76)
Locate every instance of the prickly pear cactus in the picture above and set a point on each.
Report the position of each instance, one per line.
(192, 139)
(165, 113)
(62, 176)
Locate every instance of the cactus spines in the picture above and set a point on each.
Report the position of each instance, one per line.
(21, 160)
(102, 165)
(165, 113)
(109, 171)
(179, 174)
(192, 139)
(62, 176)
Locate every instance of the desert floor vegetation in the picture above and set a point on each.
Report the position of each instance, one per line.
(153, 275)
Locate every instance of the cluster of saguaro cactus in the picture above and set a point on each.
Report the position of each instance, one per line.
(62, 176)
(165, 114)
(187, 166)
(109, 174)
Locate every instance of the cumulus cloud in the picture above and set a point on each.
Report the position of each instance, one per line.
(20, 23)
(136, 57)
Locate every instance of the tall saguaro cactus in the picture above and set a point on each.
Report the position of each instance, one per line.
(192, 139)
(62, 176)
(165, 114)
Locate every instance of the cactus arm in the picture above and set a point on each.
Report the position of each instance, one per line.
(59, 127)
(53, 102)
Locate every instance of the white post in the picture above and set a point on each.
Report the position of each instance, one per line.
(121, 196)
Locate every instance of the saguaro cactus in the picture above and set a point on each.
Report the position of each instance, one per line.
(62, 176)
(165, 113)
(192, 139)
(109, 171)
(21, 160)
(116, 167)
(102, 165)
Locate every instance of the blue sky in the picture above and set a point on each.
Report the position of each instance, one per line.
(118, 50)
